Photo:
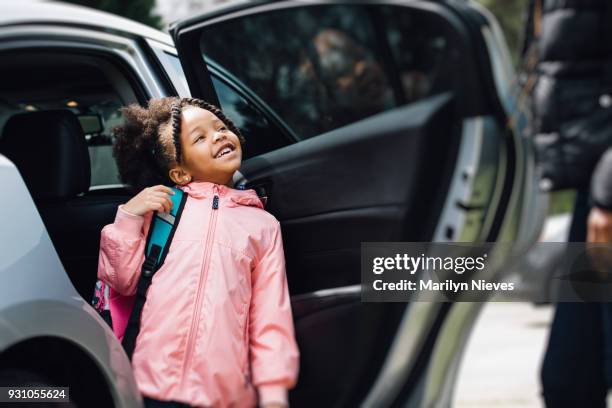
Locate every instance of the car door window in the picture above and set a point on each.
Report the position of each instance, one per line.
(317, 67)
(423, 52)
(260, 134)
(172, 71)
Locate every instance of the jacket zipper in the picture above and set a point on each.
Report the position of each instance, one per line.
(196, 316)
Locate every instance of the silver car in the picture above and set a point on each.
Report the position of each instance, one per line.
(365, 121)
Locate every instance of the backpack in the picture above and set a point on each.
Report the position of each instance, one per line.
(121, 312)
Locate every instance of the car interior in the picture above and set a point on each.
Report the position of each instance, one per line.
(71, 175)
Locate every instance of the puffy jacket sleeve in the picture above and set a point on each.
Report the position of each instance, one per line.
(122, 251)
(273, 348)
(601, 182)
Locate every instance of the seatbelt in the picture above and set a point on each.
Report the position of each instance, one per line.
(161, 232)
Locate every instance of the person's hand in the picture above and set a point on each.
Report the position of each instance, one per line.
(275, 405)
(599, 231)
(599, 226)
(156, 198)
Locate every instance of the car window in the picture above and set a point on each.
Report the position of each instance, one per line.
(317, 67)
(422, 51)
(174, 70)
(260, 134)
(88, 87)
(103, 166)
(99, 141)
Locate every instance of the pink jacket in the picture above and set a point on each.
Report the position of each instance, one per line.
(217, 326)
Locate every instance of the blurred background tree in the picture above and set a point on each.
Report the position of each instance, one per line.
(509, 13)
(138, 10)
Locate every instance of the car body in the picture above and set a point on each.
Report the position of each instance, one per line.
(365, 121)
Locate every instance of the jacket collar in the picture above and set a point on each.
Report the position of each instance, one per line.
(202, 189)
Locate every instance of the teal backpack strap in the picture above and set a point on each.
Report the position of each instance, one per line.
(161, 232)
(163, 226)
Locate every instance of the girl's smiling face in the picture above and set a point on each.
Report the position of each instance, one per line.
(210, 151)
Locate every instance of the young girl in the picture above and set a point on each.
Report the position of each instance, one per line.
(217, 327)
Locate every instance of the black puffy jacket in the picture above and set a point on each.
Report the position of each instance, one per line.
(574, 68)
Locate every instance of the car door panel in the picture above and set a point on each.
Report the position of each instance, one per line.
(362, 182)
(385, 177)
(325, 218)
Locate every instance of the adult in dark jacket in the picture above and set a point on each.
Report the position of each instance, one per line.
(573, 55)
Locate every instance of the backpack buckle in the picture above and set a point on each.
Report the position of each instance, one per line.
(150, 262)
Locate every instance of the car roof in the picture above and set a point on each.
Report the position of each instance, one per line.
(50, 12)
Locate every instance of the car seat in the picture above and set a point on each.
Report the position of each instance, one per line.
(50, 151)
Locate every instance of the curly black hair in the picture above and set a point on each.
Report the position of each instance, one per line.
(143, 157)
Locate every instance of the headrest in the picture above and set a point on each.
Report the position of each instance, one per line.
(49, 149)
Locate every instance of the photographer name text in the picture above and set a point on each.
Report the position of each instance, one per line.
(445, 286)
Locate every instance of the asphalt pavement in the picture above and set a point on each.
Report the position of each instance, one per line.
(501, 365)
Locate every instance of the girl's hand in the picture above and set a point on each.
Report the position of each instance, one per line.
(156, 198)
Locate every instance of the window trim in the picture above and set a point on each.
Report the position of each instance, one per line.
(251, 97)
(155, 53)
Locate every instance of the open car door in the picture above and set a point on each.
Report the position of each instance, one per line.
(381, 122)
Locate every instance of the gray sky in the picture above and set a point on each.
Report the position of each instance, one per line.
(171, 10)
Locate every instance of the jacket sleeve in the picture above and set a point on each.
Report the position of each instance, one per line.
(122, 251)
(601, 182)
(273, 348)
